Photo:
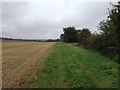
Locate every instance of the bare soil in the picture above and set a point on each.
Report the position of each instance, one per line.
(20, 58)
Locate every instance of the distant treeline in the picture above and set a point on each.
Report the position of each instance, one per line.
(45, 40)
(53, 40)
(105, 42)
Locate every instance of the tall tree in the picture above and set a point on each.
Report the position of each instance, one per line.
(70, 35)
(109, 32)
(83, 37)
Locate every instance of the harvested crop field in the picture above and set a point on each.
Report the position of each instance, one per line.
(20, 58)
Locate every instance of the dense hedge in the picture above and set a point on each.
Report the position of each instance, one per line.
(106, 41)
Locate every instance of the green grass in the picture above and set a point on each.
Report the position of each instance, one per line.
(69, 66)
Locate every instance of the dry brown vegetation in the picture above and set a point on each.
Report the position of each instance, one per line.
(20, 58)
(0, 64)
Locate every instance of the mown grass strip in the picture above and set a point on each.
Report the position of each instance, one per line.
(69, 66)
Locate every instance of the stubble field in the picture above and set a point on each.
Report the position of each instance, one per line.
(20, 58)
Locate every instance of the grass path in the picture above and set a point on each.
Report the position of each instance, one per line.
(69, 66)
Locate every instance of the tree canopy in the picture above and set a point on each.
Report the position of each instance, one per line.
(106, 42)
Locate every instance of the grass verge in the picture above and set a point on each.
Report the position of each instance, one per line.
(69, 66)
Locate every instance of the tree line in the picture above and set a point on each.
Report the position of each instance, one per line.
(35, 40)
(105, 42)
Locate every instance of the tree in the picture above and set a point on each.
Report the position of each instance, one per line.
(70, 35)
(108, 39)
(62, 37)
(83, 37)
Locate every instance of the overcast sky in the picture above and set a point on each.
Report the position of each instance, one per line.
(46, 19)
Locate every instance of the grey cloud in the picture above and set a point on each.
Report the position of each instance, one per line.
(13, 10)
(46, 20)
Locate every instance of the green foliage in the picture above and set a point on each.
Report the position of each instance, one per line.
(62, 37)
(84, 37)
(106, 42)
(70, 35)
(83, 69)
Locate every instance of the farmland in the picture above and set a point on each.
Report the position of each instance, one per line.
(60, 44)
(55, 65)
(69, 66)
(19, 58)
